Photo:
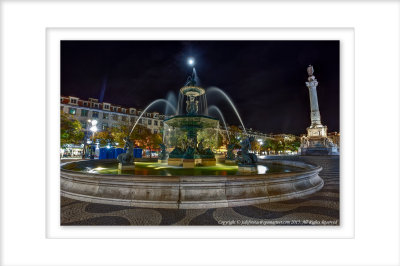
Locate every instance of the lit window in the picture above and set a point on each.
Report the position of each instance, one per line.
(72, 111)
(84, 112)
(95, 114)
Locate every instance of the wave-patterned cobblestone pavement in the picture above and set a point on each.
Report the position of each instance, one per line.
(321, 208)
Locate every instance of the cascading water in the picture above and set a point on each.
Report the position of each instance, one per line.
(180, 104)
(171, 98)
(148, 106)
(226, 97)
(213, 107)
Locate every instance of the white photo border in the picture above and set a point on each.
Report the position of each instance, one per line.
(23, 182)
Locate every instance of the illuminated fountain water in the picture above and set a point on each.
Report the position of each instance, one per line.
(212, 108)
(147, 107)
(228, 99)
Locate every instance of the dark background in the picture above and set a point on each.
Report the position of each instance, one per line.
(265, 79)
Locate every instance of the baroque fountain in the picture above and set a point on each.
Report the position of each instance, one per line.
(190, 151)
(187, 174)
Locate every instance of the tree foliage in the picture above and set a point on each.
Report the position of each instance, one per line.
(235, 135)
(70, 130)
(141, 137)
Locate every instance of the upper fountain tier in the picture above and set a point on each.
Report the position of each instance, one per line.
(191, 90)
(192, 119)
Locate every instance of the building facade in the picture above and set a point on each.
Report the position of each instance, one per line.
(108, 114)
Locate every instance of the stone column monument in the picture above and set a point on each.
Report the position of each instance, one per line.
(312, 88)
(316, 142)
(316, 128)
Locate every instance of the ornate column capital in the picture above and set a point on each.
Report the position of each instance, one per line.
(312, 83)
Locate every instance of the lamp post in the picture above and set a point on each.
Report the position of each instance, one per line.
(93, 128)
(261, 142)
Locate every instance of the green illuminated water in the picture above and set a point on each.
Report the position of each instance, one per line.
(151, 168)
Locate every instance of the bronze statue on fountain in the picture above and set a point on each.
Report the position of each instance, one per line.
(230, 157)
(126, 160)
(162, 156)
(247, 160)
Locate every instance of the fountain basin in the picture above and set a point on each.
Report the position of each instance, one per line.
(189, 192)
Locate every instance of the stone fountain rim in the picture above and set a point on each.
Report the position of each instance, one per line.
(309, 169)
(189, 192)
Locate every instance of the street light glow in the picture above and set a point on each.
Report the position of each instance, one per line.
(93, 129)
(94, 122)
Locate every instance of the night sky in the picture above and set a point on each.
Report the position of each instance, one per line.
(265, 79)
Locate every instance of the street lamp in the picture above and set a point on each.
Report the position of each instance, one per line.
(261, 143)
(93, 128)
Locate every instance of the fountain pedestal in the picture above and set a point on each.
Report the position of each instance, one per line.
(188, 163)
(123, 167)
(230, 162)
(247, 169)
(208, 161)
(175, 161)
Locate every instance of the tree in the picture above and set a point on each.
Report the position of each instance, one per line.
(141, 136)
(293, 145)
(255, 146)
(70, 130)
(274, 145)
(235, 135)
(267, 145)
(105, 137)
